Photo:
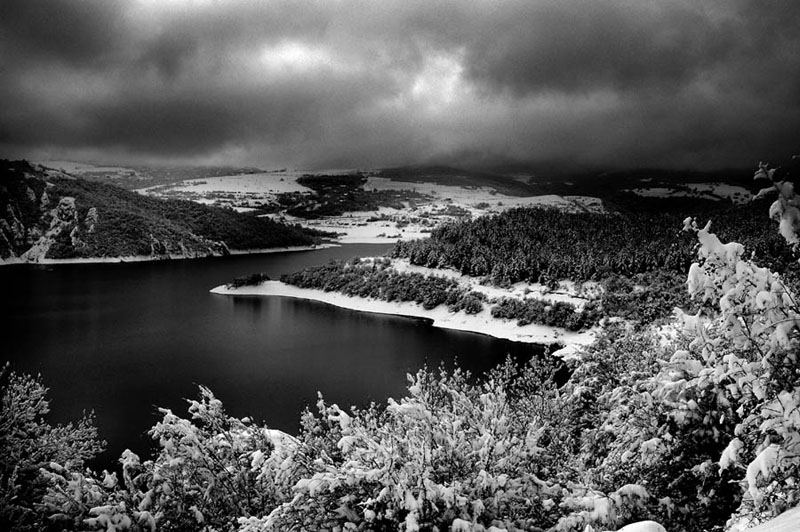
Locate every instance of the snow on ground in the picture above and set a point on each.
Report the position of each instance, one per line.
(657, 192)
(734, 193)
(266, 182)
(445, 204)
(243, 192)
(788, 521)
(482, 323)
(442, 203)
(72, 167)
(473, 198)
(643, 526)
(88, 170)
(381, 226)
(567, 292)
(711, 191)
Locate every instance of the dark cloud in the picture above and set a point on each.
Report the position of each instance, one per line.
(618, 82)
(77, 33)
(579, 47)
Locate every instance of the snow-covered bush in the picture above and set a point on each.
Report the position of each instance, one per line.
(743, 362)
(451, 453)
(211, 470)
(677, 412)
(29, 443)
(203, 473)
(786, 209)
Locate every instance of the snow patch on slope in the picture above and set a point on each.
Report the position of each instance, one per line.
(709, 191)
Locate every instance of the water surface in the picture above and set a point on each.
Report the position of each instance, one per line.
(121, 339)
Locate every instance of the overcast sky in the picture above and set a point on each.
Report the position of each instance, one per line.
(617, 83)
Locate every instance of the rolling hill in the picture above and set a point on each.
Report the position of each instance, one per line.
(52, 215)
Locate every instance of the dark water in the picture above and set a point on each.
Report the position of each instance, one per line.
(121, 339)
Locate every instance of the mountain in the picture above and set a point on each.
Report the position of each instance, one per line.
(53, 215)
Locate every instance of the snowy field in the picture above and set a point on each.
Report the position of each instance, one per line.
(711, 191)
(263, 183)
(242, 192)
(473, 198)
(72, 167)
(382, 226)
(444, 204)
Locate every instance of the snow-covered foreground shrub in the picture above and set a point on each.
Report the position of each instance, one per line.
(742, 361)
(700, 408)
(786, 209)
(28, 442)
(211, 470)
(450, 453)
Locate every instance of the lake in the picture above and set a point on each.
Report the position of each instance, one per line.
(122, 339)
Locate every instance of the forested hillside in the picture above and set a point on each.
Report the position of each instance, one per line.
(54, 216)
(639, 254)
(532, 244)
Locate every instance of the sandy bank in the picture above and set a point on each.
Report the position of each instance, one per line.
(149, 258)
(482, 323)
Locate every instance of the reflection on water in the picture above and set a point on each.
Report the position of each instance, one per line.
(121, 339)
(247, 307)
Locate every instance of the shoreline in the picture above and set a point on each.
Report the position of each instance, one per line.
(155, 258)
(441, 317)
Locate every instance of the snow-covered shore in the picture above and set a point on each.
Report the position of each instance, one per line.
(152, 258)
(482, 323)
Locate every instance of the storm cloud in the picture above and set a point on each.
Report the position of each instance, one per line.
(615, 83)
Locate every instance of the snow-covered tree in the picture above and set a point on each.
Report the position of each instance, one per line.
(28, 443)
(786, 208)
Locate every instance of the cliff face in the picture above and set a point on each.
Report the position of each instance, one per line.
(56, 216)
(63, 224)
(23, 201)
